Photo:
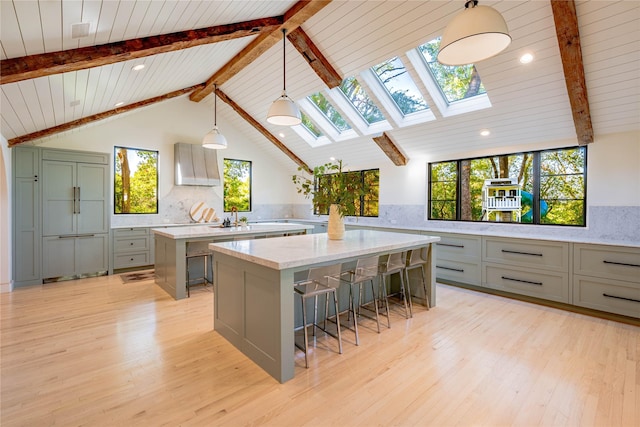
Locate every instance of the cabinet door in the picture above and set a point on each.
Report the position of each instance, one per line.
(26, 214)
(93, 186)
(58, 257)
(59, 180)
(92, 254)
(26, 162)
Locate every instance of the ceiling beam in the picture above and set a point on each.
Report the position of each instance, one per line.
(46, 64)
(323, 68)
(262, 130)
(391, 149)
(293, 18)
(566, 21)
(100, 116)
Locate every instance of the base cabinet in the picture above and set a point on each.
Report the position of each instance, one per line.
(132, 248)
(74, 257)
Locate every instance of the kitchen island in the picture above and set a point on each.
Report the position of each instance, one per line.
(171, 245)
(253, 299)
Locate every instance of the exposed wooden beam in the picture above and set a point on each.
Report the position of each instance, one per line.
(100, 116)
(45, 64)
(263, 130)
(390, 148)
(566, 20)
(293, 18)
(314, 57)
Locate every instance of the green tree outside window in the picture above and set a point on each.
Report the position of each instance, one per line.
(135, 181)
(237, 185)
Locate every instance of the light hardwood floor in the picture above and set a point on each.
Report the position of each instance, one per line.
(97, 352)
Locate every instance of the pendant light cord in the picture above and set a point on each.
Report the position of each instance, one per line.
(284, 66)
(215, 105)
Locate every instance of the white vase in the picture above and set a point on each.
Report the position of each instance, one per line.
(335, 229)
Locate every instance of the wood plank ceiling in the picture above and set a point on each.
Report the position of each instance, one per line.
(235, 44)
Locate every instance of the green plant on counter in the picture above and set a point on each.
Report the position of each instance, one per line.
(243, 219)
(331, 185)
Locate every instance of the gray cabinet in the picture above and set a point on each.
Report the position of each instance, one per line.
(458, 258)
(75, 208)
(26, 216)
(132, 247)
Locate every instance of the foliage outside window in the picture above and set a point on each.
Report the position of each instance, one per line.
(363, 104)
(329, 111)
(400, 87)
(455, 82)
(310, 126)
(366, 187)
(541, 187)
(135, 188)
(237, 185)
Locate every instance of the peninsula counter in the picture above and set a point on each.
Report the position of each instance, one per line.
(253, 299)
(171, 247)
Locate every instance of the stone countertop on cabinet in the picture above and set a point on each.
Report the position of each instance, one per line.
(198, 231)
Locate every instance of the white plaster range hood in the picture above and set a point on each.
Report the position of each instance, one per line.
(195, 165)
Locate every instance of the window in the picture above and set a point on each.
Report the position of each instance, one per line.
(454, 82)
(367, 180)
(399, 86)
(541, 187)
(237, 185)
(357, 96)
(310, 126)
(329, 111)
(135, 187)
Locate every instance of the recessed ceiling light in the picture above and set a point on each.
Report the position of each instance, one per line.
(138, 67)
(526, 58)
(118, 104)
(79, 30)
(333, 159)
(485, 132)
(281, 134)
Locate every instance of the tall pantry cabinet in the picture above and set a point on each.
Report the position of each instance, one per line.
(73, 212)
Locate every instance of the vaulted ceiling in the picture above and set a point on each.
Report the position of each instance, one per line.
(239, 47)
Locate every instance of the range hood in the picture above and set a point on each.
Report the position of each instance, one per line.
(195, 165)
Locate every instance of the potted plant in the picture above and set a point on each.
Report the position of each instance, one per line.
(332, 191)
(243, 221)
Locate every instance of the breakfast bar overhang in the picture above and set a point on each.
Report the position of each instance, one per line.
(253, 298)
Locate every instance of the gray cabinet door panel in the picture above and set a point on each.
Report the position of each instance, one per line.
(27, 230)
(92, 254)
(58, 257)
(93, 189)
(59, 180)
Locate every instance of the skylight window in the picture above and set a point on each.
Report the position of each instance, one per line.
(329, 111)
(310, 126)
(396, 80)
(363, 104)
(455, 82)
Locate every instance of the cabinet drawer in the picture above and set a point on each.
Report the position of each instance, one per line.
(456, 246)
(131, 244)
(459, 271)
(534, 283)
(612, 296)
(131, 260)
(527, 253)
(130, 232)
(609, 262)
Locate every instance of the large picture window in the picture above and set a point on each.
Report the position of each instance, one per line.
(237, 185)
(540, 187)
(368, 180)
(135, 187)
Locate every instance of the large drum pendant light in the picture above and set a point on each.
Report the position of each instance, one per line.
(476, 33)
(214, 139)
(284, 111)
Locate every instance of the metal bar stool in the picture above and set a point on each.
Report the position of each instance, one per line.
(417, 259)
(320, 281)
(195, 251)
(396, 264)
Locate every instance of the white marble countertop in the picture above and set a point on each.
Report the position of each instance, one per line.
(295, 251)
(198, 231)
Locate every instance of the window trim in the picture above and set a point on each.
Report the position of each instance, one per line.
(250, 184)
(157, 189)
(325, 124)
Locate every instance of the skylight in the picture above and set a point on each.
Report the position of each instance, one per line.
(362, 103)
(401, 88)
(329, 111)
(455, 82)
(310, 126)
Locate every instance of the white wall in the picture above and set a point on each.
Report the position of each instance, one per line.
(5, 217)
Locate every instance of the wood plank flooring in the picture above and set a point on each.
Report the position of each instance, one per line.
(97, 352)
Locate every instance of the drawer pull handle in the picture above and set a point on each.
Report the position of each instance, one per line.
(459, 270)
(522, 281)
(621, 263)
(520, 253)
(450, 245)
(616, 297)
(131, 244)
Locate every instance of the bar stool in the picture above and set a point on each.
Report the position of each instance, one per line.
(320, 281)
(417, 259)
(365, 272)
(396, 264)
(193, 251)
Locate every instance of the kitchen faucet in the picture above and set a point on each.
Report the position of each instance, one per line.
(235, 210)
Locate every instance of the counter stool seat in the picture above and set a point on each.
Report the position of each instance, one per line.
(417, 258)
(396, 264)
(204, 280)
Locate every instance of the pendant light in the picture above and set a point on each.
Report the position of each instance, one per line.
(476, 33)
(214, 139)
(284, 111)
